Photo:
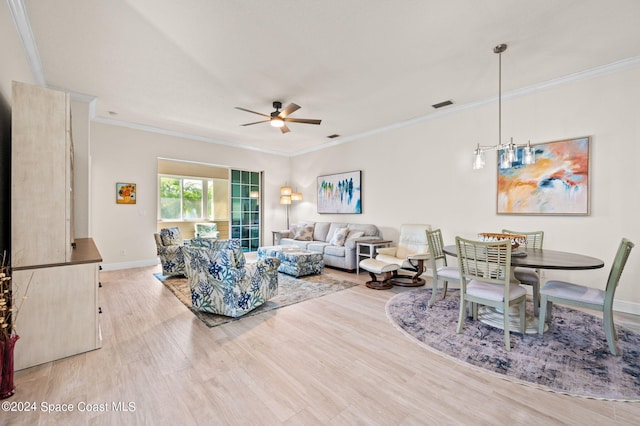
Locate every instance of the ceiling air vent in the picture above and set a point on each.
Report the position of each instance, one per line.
(333, 136)
(442, 104)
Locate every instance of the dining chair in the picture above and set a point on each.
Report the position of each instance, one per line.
(443, 272)
(530, 276)
(588, 297)
(485, 272)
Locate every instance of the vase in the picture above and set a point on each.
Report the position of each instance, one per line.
(7, 387)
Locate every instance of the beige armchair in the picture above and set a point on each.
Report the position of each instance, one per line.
(410, 254)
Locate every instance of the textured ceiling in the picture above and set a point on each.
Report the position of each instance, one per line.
(359, 65)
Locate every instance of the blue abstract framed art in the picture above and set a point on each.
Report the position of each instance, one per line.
(340, 193)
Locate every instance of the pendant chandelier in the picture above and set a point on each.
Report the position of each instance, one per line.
(508, 151)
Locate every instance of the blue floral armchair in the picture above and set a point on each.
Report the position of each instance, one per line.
(169, 244)
(223, 283)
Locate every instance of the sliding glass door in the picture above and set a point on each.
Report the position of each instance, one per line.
(246, 193)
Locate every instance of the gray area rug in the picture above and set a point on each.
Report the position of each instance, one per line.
(291, 290)
(571, 358)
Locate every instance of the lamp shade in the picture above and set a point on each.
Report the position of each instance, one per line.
(285, 190)
(296, 196)
(285, 199)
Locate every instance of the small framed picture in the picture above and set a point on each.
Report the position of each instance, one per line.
(125, 193)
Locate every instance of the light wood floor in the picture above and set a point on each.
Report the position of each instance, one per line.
(331, 360)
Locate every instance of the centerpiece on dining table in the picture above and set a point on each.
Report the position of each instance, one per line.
(517, 240)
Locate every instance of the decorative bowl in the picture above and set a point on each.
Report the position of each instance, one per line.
(516, 239)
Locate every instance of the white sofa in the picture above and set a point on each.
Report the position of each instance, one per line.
(325, 238)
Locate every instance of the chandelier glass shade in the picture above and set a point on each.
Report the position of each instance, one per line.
(508, 153)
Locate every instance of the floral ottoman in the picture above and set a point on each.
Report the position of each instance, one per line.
(294, 261)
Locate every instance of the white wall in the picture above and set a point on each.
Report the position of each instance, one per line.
(422, 173)
(419, 173)
(81, 116)
(124, 233)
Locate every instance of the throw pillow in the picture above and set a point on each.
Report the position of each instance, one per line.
(304, 233)
(355, 234)
(171, 236)
(339, 237)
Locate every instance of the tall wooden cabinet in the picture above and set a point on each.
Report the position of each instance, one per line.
(58, 274)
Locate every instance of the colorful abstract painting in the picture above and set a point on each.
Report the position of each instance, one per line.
(556, 184)
(340, 193)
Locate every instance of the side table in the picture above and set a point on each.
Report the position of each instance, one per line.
(368, 250)
(276, 235)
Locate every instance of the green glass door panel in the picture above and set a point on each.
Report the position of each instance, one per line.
(245, 211)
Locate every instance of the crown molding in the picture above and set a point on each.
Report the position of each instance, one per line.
(184, 135)
(23, 26)
(571, 78)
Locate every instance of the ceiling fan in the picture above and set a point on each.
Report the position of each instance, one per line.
(278, 118)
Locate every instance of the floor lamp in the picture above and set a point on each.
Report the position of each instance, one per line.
(286, 200)
(286, 197)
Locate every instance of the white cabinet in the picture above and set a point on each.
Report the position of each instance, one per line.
(60, 316)
(41, 176)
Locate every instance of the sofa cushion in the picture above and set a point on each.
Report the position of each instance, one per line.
(334, 250)
(296, 243)
(321, 230)
(317, 246)
(304, 233)
(339, 237)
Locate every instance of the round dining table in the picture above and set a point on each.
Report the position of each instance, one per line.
(545, 259)
(536, 259)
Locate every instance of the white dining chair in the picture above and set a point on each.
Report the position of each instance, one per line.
(530, 276)
(588, 297)
(485, 271)
(440, 270)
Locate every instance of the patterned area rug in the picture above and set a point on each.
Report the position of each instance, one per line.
(291, 290)
(571, 358)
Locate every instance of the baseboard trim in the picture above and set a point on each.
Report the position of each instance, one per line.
(129, 265)
(626, 307)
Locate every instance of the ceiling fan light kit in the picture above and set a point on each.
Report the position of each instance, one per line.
(279, 118)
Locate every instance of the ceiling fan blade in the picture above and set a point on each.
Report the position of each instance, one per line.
(253, 112)
(288, 110)
(302, 120)
(249, 124)
(284, 129)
